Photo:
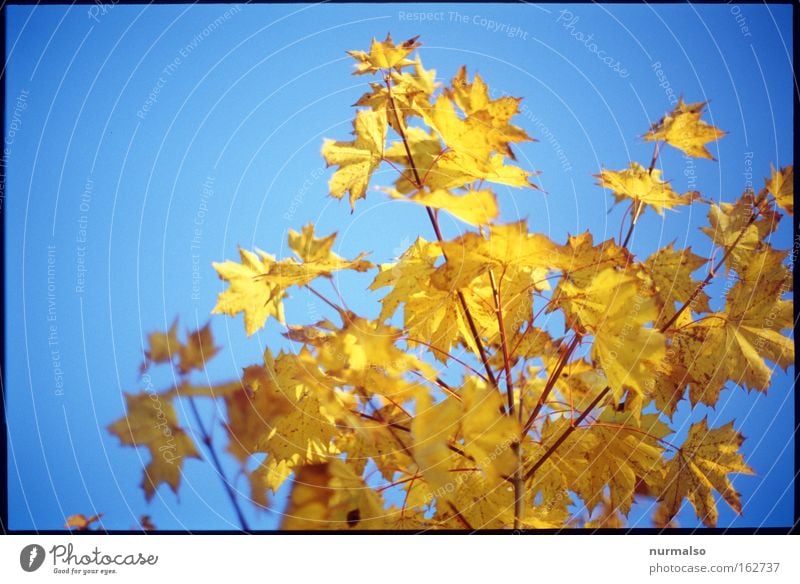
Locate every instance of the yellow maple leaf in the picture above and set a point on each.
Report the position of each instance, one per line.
(554, 480)
(620, 452)
(384, 55)
(476, 502)
(466, 137)
(295, 425)
(79, 521)
(702, 352)
(318, 260)
(683, 129)
(364, 344)
(642, 185)
(357, 159)
(669, 383)
(700, 466)
(614, 307)
(151, 422)
(434, 426)
(257, 298)
(472, 207)
(258, 285)
(756, 313)
(580, 260)
(378, 439)
(406, 276)
(308, 247)
(198, 350)
(268, 477)
(487, 433)
(409, 95)
(731, 227)
(735, 344)
(430, 315)
(253, 409)
(671, 271)
(331, 496)
(473, 99)
(508, 249)
(163, 347)
(781, 185)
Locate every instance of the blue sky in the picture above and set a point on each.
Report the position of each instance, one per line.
(135, 127)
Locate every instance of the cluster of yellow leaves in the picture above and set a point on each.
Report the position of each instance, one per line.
(457, 407)
(191, 355)
(258, 284)
(469, 136)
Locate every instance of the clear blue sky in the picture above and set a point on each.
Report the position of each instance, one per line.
(244, 108)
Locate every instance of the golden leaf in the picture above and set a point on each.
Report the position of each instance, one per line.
(683, 129)
(331, 496)
(643, 185)
(151, 422)
(357, 159)
(702, 465)
(781, 185)
(384, 55)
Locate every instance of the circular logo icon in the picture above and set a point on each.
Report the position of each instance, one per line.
(31, 557)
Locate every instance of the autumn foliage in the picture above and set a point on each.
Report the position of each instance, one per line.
(364, 417)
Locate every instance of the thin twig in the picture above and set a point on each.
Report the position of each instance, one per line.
(566, 434)
(551, 382)
(714, 270)
(342, 312)
(206, 438)
(448, 355)
(519, 484)
(435, 224)
(638, 206)
(498, 308)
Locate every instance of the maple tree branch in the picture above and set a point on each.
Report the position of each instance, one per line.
(448, 355)
(435, 223)
(402, 133)
(206, 439)
(710, 276)
(389, 426)
(635, 212)
(632, 429)
(459, 516)
(551, 382)
(402, 428)
(498, 309)
(715, 269)
(467, 314)
(638, 206)
(398, 483)
(566, 434)
(518, 483)
(330, 303)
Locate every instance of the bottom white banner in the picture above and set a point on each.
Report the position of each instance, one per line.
(394, 558)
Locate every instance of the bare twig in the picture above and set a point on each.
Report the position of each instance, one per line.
(206, 438)
(435, 224)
